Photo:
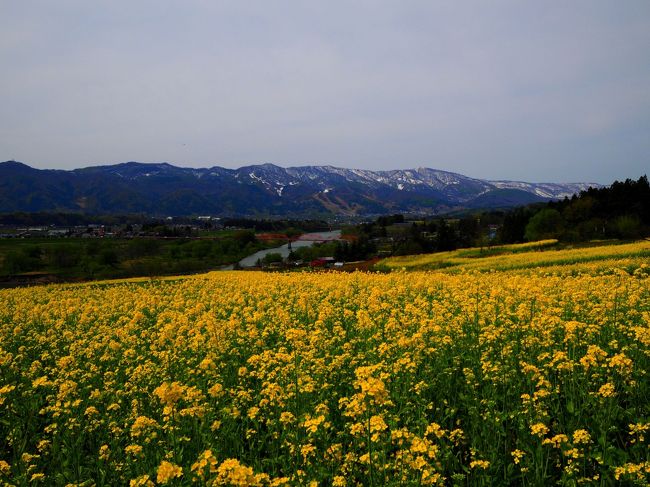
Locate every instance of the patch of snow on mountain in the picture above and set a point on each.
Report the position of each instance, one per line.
(545, 190)
(253, 176)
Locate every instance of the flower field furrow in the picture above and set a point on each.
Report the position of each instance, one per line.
(247, 378)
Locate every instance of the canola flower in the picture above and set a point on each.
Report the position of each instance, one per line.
(247, 378)
(168, 471)
(602, 258)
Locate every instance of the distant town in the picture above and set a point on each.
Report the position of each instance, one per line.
(162, 229)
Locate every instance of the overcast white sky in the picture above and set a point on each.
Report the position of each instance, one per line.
(534, 91)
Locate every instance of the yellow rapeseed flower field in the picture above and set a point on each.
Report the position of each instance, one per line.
(528, 256)
(518, 376)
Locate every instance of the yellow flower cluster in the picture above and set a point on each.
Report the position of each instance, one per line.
(168, 471)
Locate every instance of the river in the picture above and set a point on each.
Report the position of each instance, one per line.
(304, 240)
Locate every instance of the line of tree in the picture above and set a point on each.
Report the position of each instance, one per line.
(621, 210)
(148, 222)
(104, 258)
(70, 219)
(276, 225)
(394, 235)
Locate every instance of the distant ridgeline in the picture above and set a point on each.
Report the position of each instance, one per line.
(260, 191)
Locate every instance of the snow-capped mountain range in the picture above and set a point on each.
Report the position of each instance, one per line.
(262, 190)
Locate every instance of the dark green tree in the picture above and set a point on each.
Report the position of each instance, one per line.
(547, 223)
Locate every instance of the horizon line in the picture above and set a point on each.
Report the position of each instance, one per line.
(159, 163)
